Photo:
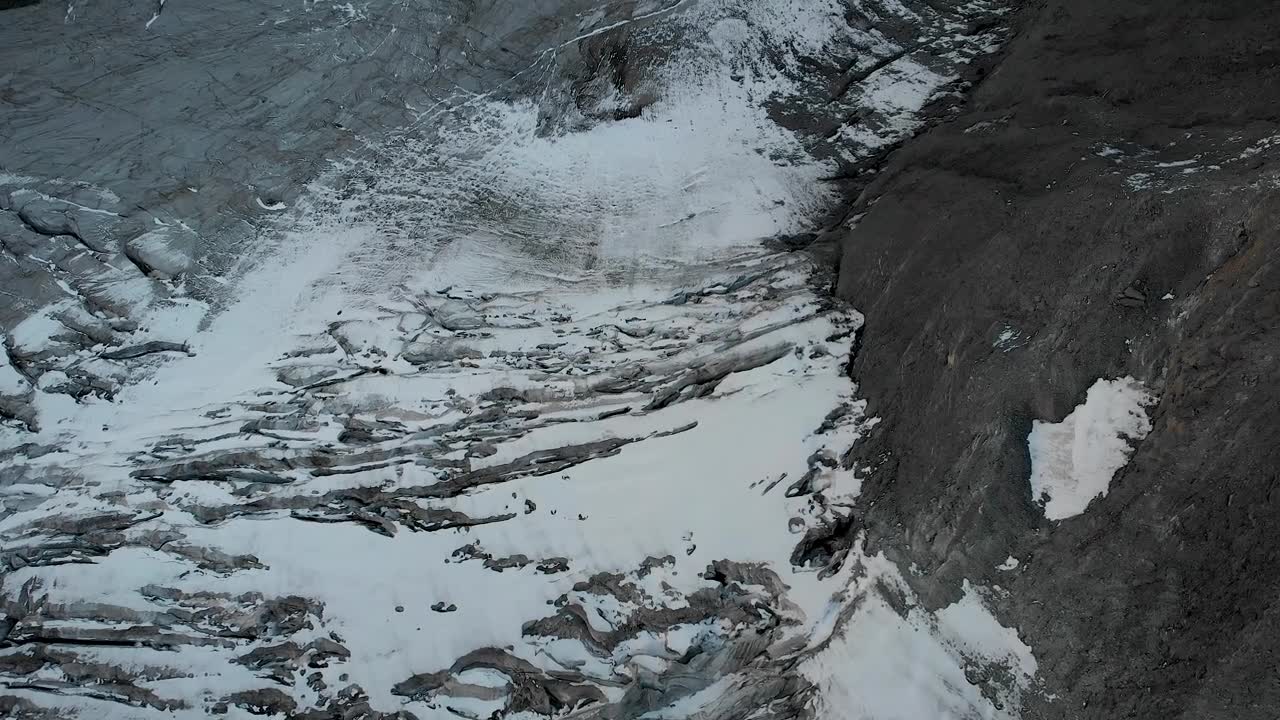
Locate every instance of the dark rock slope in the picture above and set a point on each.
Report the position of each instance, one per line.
(1120, 153)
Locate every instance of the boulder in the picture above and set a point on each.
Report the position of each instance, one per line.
(169, 251)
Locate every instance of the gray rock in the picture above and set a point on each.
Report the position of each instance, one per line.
(482, 450)
(507, 563)
(264, 701)
(48, 218)
(426, 352)
(92, 327)
(98, 229)
(554, 565)
(303, 375)
(147, 348)
(170, 251)
(1152, 603)
(456, 315)
(324, 650)
(286, 654)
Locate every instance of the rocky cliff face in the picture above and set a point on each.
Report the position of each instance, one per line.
(1105, 206)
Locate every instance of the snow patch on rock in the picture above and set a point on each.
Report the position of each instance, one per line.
(1073, 461)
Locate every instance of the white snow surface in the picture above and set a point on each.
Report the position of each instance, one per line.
(377, 426)
(1073, 461)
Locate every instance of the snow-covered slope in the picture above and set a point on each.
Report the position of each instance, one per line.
(516, 416)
